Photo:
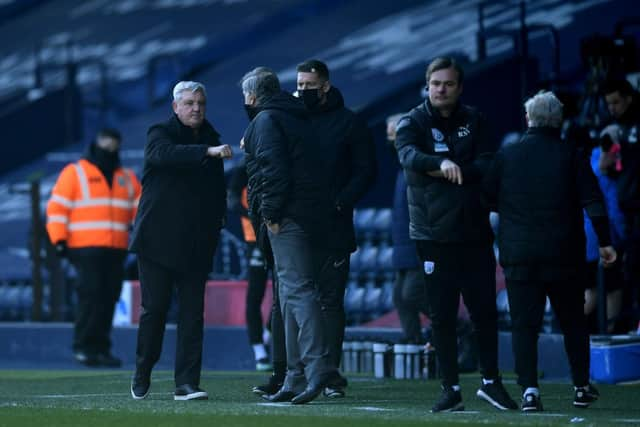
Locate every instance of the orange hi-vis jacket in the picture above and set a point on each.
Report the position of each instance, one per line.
(85, 211)
(247, 227)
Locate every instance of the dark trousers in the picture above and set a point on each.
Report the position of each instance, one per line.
(156, 285)
(255, 293)
(278, 343)
(467, 269)
(99, 283)
(410, 299)
(332, 282)
(527, 300)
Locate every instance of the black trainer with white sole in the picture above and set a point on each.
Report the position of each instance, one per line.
(450, 400)
(585, 396)
(531, 403)
(189, 392)
(496, 395)
(140, 389)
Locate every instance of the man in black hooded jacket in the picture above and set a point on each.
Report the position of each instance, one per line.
(287, 192)
(349, 153)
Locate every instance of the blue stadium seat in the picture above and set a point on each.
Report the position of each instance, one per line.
(386, 302)
(385, 259)
(354, 261)
(363, 219)
(368, 259)
(372, 300)
(353, 302)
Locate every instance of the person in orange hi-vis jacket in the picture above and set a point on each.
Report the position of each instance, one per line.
(89, 214)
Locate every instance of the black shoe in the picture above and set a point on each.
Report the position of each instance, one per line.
(334, 392)
(496, 395)
(271, 387)
(531, 403)
(280, 396)
(189, 392)
(450, 400)
(585, 396)
(86, 358)
(309, 393)
(108, 360)
(140, 387)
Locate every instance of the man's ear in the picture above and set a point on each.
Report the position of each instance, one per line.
(174, 104)
(326, 86)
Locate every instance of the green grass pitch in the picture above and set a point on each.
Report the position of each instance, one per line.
(101, 398)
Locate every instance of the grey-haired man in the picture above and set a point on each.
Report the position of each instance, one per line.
(181, 212)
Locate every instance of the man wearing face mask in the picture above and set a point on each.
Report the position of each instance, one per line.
(288, 200)
(349, 153)
(91, 209)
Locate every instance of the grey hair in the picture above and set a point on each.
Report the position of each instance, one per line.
(261, 82)
(191, 86)
(544, 110)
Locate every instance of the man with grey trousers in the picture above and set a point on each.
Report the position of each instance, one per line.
(287, 192)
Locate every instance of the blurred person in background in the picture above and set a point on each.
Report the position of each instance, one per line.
(349, 154)
(540, 186)
(409, 294)
(89, 215)
(257, 269)
(182, 210)
(620, 159)
(445, 149)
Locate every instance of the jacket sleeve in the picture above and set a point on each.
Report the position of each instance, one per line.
(408, 133)
(484, 151)
(137, 191)
(491, 181)
(60, 205)
(591, 198)
(237, 184)
(162, 151)
(363, 165)
(272, 154)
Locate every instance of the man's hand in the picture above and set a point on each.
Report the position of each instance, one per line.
(608, 256)
(273, 227)
(221, 151)
(613, 131)
(451, 171)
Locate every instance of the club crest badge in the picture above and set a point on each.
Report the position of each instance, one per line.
(429, 266)
(437, 135)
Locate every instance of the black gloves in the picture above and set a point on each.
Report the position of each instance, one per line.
(62, 249)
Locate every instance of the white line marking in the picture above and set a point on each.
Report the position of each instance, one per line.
(277, 404)
(373, 408)
(627, 420)
(538, 414)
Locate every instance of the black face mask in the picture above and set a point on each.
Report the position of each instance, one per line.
(310, 97)
(105, 157)
(252, 111)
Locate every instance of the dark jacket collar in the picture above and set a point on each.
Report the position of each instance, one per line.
(335, 101)
(284, 101)
(543, 131)
(186, 135)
